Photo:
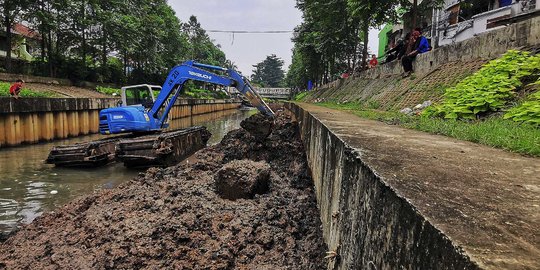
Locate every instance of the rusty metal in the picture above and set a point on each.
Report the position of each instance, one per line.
(160, 149)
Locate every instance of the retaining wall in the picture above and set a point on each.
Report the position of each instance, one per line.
(33, 120)
(384, 88)
(365, 221)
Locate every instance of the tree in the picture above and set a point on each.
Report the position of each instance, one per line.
(11, 11)
(373, 13)
(110, 41)
(269, 73)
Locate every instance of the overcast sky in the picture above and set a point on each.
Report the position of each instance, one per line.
(246, 50)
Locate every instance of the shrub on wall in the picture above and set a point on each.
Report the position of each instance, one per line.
(489, 89)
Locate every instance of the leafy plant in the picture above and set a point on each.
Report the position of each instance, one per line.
(489, 89)
(528, 111)
(300, 96)
(108, 90)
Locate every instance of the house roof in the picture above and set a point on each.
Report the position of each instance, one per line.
(25, 31)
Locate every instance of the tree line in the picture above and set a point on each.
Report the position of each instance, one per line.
(333, 37)
(115, 41)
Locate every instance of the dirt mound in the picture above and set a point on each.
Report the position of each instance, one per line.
(242, 179)
(258, 125)
(172, 218)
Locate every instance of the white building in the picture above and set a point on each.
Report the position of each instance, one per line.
(461, 20)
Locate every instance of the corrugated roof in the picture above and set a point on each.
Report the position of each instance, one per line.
(25, 31)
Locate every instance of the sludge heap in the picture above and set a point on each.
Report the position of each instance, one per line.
(173, 218)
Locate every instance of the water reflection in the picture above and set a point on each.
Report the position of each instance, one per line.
(28, 186)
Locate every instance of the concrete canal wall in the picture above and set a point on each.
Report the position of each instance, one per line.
(33, 120)
(364, 220)
(393, 198)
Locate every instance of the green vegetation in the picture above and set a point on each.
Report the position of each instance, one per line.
(493, 131)
(122, 42)
(25, 92)
(528, 111)
(490, 89)
(300, 96)
(108, 90)
(191, 92)
(269, 73)
(204, 94)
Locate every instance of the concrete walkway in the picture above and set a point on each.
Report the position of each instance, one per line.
(486, 200)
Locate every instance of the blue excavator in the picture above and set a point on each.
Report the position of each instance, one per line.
(141, 121)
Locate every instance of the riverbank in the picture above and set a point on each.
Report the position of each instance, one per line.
(173, 217)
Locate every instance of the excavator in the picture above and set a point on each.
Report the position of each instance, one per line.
(140, 120)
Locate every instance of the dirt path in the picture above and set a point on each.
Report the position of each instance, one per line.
(66, 91)
(485, 200)
(175, 219)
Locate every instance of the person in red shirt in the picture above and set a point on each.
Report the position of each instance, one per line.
(16, 88)
(373, 62)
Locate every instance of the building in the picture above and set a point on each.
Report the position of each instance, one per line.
(24, 43)
(459, 20)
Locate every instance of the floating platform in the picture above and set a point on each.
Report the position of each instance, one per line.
(155, 150)
(88, 154)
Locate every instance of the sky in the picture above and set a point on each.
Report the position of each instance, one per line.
(246, 50)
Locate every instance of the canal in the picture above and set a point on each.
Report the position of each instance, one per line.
(28, 187)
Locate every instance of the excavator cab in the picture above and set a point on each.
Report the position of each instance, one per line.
(139, 95)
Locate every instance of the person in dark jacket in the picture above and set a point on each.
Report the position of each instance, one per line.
(419, 45)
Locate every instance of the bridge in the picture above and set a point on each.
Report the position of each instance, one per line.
(273, 93)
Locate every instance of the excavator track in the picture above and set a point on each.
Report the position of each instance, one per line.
(160, 149)
(88, 154)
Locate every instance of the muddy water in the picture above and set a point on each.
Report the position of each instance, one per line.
(28, 186)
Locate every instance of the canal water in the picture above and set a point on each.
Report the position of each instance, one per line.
(28, 187)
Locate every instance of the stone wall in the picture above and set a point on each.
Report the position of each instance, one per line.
(365, 221)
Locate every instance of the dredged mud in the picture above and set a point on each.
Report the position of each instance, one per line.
(173, 218)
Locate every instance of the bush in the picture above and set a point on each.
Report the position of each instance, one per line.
(528, 112)
(300, 96)
(489, 89)
(107, 90)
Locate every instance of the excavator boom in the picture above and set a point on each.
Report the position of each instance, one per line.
(137, 119)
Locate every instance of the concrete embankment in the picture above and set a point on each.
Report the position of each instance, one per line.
(33, 120)
(392, 198)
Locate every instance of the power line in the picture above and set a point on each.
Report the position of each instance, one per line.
(250, 32)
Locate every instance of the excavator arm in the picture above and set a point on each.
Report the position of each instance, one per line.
(135, 119)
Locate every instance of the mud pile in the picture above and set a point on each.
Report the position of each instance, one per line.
(173, 218)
